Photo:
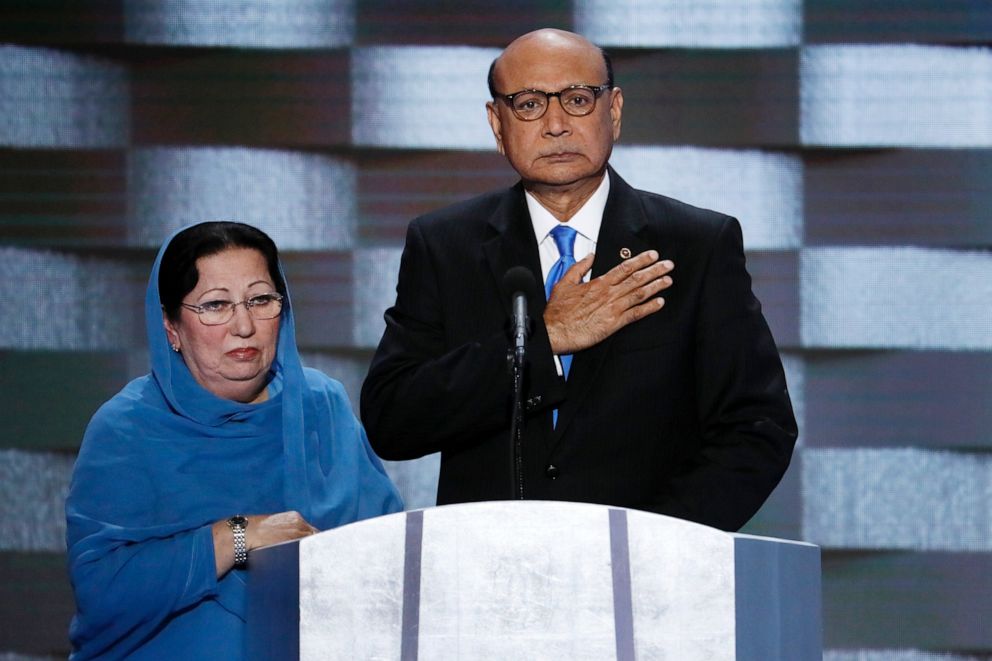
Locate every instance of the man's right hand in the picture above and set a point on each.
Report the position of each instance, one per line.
(582, 314)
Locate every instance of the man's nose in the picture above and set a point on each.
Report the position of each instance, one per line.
(556, 120)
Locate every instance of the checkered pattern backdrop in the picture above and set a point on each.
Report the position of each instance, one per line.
(853, 138)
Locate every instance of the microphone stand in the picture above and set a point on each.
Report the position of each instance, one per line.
(517, 421)
(520, 283)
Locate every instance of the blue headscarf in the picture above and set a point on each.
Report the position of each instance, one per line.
(165, 458)
(210, 413)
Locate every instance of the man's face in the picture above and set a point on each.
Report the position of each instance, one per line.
(557, 150)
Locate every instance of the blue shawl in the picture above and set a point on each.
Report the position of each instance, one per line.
(164, 459)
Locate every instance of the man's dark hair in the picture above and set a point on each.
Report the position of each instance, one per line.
(177, 274)
(606, 61)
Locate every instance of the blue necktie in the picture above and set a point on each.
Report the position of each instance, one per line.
(564, 237)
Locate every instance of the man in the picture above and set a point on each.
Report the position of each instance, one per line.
(675, 404)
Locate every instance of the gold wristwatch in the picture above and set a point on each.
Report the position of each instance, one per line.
(239, 526)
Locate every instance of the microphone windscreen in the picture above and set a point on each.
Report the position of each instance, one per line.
(520, 279)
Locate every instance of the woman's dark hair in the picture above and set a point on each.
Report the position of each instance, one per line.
(177, 274)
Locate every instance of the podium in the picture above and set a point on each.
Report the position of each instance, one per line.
(534, 580)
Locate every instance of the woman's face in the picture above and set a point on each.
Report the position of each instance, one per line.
(231, 360)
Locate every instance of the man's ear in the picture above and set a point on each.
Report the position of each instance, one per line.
(616, 111)
(496, 125)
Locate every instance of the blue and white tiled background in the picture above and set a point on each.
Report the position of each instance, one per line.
(853, 138)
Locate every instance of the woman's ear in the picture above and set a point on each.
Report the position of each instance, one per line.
(171, 334)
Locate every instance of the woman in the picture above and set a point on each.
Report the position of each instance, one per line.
(229, 444)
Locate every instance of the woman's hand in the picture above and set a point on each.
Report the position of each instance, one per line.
(262, 530)
(266, 529)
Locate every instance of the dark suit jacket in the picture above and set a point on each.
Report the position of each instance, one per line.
(683, 413)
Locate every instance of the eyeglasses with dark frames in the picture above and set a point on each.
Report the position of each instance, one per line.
(215, 313)
(576, 100)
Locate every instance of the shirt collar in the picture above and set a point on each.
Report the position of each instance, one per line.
(586, 220)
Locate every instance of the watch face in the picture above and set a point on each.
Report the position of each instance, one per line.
(238, 521)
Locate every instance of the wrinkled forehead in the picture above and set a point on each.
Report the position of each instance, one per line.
(548, 65)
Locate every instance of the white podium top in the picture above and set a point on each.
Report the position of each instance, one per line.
(537, 580)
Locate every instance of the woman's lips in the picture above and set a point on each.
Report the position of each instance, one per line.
(246, 353)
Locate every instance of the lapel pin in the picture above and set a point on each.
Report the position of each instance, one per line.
(625, 253)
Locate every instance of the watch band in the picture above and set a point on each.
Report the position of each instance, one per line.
(239, 526)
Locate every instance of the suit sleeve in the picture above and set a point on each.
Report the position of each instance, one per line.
(746, 424)
(424, 394)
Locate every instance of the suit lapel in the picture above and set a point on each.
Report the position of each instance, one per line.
(622, 227)
(512, 244)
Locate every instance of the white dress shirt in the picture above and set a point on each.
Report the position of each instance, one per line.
(585, 222)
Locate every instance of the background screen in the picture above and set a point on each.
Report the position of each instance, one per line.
(853, 140)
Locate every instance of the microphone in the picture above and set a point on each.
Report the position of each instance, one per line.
(520, 282)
